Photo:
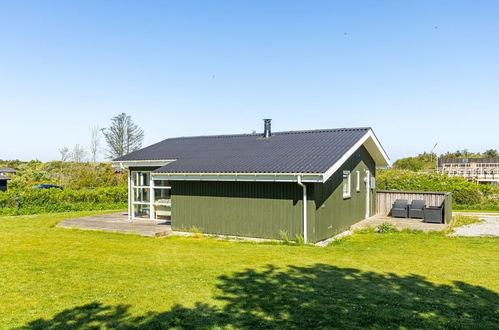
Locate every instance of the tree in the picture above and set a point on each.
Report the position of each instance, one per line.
(490, 153)
(123, 136)
(78, 155)
(65, 154)
(94, 142)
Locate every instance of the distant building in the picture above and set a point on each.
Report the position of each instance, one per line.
(4, 171)
(3, 182)
(480, 170)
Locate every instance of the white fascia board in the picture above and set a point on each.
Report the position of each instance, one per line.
(141, 163)
(372, 145)
(271, 177)
(382, 159)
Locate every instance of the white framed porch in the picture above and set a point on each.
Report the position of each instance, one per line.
(148, 198)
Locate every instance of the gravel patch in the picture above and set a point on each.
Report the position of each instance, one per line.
(490, 227)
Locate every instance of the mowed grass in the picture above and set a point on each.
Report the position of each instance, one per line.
(54, 278)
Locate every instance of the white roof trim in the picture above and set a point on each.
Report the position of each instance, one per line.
(128, 163)
(370, 141)
(263, 177)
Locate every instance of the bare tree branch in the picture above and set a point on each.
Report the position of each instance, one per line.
(65, 154)
(79, 154)
(123, 136)
(94, 142)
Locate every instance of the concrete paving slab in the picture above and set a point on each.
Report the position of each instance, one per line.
(118, 223)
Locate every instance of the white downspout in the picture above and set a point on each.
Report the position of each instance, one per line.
(304, 186)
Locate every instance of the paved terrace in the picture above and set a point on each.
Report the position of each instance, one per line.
(400, 223)
(118, 223)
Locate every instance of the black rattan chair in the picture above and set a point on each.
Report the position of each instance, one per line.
(400, 208)
(416, 209)
(434, 214)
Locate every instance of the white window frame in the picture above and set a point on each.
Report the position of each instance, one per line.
(152, 203)
(347, 184)
(358, 181)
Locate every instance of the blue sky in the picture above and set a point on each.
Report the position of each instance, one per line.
(418, 72)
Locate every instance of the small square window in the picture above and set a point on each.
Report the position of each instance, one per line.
(347, 182)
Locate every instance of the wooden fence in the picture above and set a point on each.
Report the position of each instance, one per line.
(386, 198)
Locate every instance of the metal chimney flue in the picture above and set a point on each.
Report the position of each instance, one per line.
(266, 128)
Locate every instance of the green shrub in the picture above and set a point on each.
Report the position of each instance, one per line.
(198, 233)
(410, 163)
(284, 237)
(467, 197)
(33, 201)
(299, 240)
(386, 228)
(70, 175)
(394, 179)
(465, 194)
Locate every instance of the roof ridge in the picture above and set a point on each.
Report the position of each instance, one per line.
(323, 130)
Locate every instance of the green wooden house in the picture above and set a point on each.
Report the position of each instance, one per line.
(310, 183)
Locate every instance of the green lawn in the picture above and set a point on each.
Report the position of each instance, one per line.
(52, 278)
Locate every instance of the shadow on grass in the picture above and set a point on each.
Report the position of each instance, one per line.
(320, 296)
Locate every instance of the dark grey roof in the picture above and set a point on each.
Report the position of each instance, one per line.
(284, 152)
(7, 170)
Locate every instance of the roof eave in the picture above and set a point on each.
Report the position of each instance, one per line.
(261, 177)
(373, 146)
(141, 163)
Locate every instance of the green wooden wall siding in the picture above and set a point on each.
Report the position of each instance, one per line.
(255, 209)
(263, 209)
(335, 214)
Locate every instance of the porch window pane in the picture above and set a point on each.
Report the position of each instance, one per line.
(141, 195)
(161, 183)
(162, 212)
(141, 211)
(160, 194)
(141, 179)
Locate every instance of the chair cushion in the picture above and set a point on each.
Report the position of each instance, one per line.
(400, 203)
(418, 204)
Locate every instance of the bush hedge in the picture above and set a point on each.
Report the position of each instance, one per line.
(465, 194)
(33, 201)
(70, 175)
